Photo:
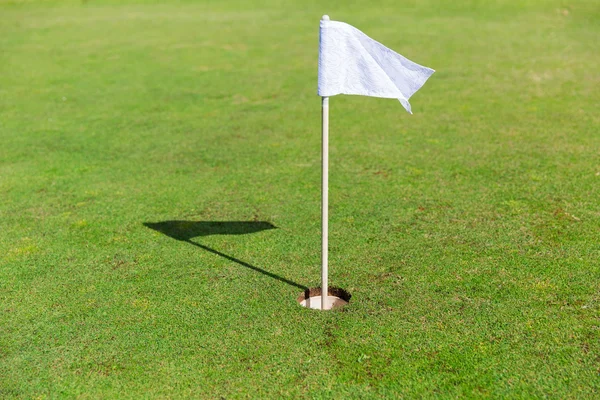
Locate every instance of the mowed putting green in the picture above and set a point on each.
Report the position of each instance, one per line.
(160, 203)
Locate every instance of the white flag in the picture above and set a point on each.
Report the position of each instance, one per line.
(350, 62)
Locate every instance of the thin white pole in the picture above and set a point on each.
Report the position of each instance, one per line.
(324, 201)
(324, 198)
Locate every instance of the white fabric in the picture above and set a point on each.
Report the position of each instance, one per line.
(350, 62)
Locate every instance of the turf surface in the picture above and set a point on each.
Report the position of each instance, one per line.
(467, 234)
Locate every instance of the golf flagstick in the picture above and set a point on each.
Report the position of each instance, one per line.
(324, 200)
(350, 62)
(324, 197)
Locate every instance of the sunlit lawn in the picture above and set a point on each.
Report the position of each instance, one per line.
(467, 234)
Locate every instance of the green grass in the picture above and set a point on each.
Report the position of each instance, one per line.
(467, 234)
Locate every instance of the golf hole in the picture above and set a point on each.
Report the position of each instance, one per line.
(311, 298)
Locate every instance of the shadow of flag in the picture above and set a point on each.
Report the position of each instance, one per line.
(186, 230)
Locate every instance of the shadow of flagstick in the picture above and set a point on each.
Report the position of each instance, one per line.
(184, 231)
(245, 264)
